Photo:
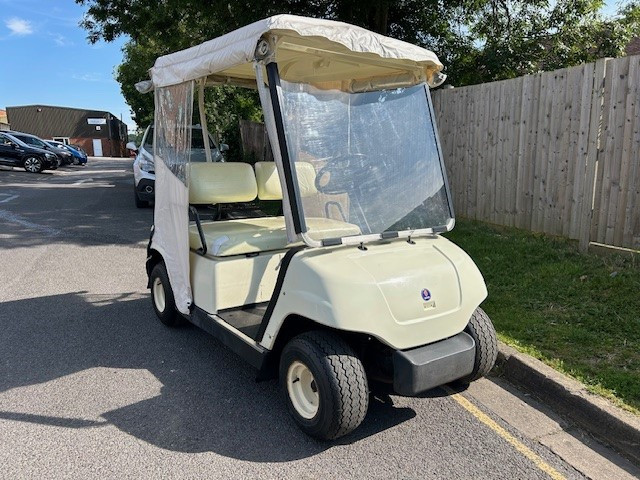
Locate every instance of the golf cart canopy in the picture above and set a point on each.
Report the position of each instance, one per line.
(307, 50)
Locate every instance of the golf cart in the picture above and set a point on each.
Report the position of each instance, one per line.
(351, 283)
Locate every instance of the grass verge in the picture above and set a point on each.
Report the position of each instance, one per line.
(578, 313)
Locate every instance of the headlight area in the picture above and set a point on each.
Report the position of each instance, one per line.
(50, 156)
(146, 166)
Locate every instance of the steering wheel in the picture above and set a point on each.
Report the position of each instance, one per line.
(341, 173)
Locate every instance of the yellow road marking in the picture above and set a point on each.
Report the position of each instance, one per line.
(517, 444)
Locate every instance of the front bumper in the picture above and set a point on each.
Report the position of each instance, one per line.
(420, 369)
(50, 163)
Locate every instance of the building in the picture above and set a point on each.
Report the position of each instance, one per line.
(98, 133)
(4, 123)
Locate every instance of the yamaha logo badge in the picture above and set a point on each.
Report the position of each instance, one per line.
(426, 294)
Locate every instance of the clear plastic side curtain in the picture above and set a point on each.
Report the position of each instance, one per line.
(172, 145)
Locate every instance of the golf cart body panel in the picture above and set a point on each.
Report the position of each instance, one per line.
(404, 295)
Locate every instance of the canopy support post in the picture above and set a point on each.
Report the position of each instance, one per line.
(290, 175)
(203, 119)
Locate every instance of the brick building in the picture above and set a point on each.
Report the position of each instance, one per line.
(4, 123)
(99, 133)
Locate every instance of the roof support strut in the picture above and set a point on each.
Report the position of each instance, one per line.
(203, 119)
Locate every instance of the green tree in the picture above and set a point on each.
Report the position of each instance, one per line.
(477, 40)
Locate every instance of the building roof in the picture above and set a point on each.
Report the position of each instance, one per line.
(39, 105)
(47, 121)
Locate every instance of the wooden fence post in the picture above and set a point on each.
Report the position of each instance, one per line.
(595, 126)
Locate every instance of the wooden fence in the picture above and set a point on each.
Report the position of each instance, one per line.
(255, 141)
(557, 152)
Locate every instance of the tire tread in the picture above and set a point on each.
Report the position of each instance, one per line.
(345, 371)
(483, 332)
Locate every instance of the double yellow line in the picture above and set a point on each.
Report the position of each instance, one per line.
(517, 444)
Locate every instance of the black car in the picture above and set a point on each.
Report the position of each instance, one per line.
(64, 157)
(16, 153)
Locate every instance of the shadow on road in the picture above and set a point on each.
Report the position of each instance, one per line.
(208, 399)
(95, 207)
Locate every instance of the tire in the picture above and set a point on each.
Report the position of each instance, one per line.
(324, 384)
(33, 165)
(162, 297)
(483, 333)
(139, 203)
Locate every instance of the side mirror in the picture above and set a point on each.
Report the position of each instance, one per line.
(132, 146)
(223, 147)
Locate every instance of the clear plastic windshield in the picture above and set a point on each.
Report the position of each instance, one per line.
(366, 163)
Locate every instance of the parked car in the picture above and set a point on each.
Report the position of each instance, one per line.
(144, 175)
(78, 148)
(16, 153)
(78, 157)
(64, 157)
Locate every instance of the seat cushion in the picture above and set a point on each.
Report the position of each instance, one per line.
(252, 235)
(221, 182)
(268, 180)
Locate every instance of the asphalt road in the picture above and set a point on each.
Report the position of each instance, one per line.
(93, 386)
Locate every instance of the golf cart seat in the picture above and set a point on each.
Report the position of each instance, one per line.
(236, 182)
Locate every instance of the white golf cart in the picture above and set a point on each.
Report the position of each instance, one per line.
(352, 281)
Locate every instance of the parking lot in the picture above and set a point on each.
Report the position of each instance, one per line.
(93, 386)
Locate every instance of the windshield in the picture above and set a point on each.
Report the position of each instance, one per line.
(366, 159)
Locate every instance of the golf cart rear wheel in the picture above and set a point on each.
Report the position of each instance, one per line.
(162, 297)
(324, 384)
(483, 333)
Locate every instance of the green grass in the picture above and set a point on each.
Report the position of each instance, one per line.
(579, 313)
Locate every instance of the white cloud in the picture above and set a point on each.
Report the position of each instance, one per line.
(19, 26)
(61, 40)
(87, 77)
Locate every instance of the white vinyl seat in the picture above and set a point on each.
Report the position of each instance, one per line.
(236, 182)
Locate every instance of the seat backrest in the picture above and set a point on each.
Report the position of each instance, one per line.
(269, 181)
(221, 182)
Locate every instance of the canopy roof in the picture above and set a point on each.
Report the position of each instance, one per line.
(306, 49)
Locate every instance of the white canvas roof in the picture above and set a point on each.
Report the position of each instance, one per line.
(324, 50)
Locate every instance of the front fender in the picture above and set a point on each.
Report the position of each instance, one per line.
(404, 295)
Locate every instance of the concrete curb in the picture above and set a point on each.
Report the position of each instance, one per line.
(570, 399)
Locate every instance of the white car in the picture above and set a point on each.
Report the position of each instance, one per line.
(143, 167)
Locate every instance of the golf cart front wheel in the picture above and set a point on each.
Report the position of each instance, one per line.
(324, 384)
(484, 335)
(162, 296)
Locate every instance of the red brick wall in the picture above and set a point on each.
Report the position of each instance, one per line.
(110, 148)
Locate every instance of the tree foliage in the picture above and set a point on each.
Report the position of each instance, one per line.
(477, 40)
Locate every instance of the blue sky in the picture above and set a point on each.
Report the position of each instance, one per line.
(47, 60)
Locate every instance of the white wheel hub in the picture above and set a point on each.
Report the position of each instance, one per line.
(302, 390)
(158, 295)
